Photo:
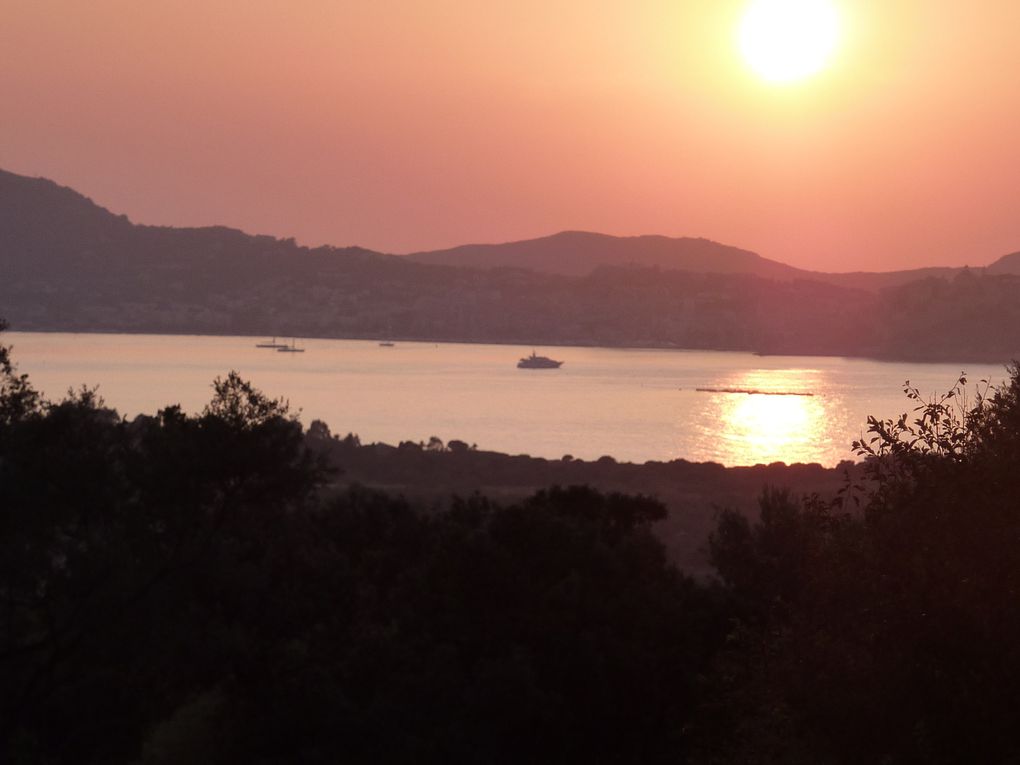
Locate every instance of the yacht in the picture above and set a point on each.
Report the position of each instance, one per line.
(292, 348)
(535, 361)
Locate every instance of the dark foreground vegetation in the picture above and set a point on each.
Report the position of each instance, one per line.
(185, 588)
(430, 473)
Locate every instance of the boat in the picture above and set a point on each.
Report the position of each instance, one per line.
(534, 361)
(386, 344)
(292, 348)
(271, 344)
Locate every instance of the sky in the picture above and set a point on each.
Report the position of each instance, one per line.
(405, 125)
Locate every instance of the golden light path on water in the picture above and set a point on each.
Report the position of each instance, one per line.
(768, 416)
(769, 428)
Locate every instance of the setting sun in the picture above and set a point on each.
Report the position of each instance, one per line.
(788, 40)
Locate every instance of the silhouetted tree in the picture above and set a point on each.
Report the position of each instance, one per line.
(186, 588)
(18, 398)
(887, 633)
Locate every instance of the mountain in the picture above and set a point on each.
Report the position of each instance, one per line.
(1007, 264)
(56, 226)
(578, 253)
(53, 230)
(68, 264)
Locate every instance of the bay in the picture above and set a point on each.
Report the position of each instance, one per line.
(631, 404)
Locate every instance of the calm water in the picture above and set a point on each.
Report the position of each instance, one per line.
(634, 405)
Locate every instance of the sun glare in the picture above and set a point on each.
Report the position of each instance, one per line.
(788, 40)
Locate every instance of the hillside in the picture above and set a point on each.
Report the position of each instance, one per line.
(578, 253)
(693, 492)
(54, 232)
(70, 265)
(1007, 264)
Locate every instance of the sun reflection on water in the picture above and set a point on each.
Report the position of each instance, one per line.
(770, 424)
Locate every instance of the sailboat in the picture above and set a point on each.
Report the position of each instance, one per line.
(271, 344)
(292, 348)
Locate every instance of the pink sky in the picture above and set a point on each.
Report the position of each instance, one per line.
(403, 125)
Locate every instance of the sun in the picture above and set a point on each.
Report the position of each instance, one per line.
(789, 40)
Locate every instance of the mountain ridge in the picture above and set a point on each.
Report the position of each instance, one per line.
(544, 254)
(569, 252)
(576, 253)
(68, 264)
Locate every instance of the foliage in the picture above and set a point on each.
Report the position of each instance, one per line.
(187, 588)
(103, 525)
(238, 404)
(183, 588)
(887, 634)
(18, 399)
(945, 427)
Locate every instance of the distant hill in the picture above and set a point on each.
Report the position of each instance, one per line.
(68, 264)
(1007, 264)
(51, 229)
(578, 253)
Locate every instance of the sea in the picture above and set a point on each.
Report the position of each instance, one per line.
(634, 405)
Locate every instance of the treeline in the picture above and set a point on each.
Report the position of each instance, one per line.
(692, 492)
(191, 588)
(351, 294)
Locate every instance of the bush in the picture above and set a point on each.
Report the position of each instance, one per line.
(178, 588)
(884, 626)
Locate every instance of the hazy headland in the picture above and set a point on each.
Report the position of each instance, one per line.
(71, 265)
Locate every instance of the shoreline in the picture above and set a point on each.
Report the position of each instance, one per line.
(886, 359)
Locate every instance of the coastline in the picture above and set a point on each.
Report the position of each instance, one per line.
(524, 343)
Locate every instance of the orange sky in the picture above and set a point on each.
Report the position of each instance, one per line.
(414, 124)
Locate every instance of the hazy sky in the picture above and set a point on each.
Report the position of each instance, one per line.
(415, 124)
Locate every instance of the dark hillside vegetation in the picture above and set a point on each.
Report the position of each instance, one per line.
(68, 264)
(430, 473)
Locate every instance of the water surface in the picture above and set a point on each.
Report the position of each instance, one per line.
(633, 405)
